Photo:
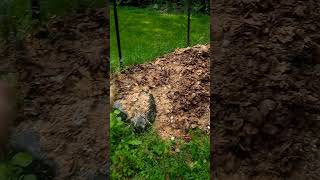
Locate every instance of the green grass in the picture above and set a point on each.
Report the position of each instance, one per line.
(146, 34)
(146, 156)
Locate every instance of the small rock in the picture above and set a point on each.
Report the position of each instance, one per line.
(117, 105)
(172, 138)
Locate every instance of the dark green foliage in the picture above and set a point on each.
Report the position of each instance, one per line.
(22, 166)
(202, 6)
(11, 18)
(15, 168)
(63, 7)
(16, 15)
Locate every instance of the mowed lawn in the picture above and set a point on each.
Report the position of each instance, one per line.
(146, 34)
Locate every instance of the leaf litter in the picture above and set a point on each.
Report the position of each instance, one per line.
(179, 82)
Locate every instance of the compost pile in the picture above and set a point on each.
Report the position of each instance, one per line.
(179, 82)
(266, 89)
(62, 79)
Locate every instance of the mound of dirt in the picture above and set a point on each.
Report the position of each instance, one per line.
(179, 83)
(266, 88)
(62, 78)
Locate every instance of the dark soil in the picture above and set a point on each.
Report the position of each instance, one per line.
(266, 89)
(62, 79)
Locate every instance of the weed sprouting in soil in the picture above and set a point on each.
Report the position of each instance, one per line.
(22, 166)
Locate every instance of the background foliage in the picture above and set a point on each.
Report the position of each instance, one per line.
(15, 15)
(202, 6)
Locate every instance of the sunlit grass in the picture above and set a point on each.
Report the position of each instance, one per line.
(146, 34)
(146, 156)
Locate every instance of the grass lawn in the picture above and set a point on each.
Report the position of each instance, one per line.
(146, 34)
(145, 156)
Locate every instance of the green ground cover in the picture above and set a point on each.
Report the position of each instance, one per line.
(146, 156)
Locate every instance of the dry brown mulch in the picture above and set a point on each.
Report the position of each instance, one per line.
(179, 82)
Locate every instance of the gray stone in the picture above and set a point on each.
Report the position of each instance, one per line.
(142, 119)
(140, 122)
(117, 104)
(145, 119)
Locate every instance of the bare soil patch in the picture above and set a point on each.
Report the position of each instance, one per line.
(265, 89)
(62, 79)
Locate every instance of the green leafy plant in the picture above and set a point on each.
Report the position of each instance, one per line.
(146, 156)
(14, 168)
